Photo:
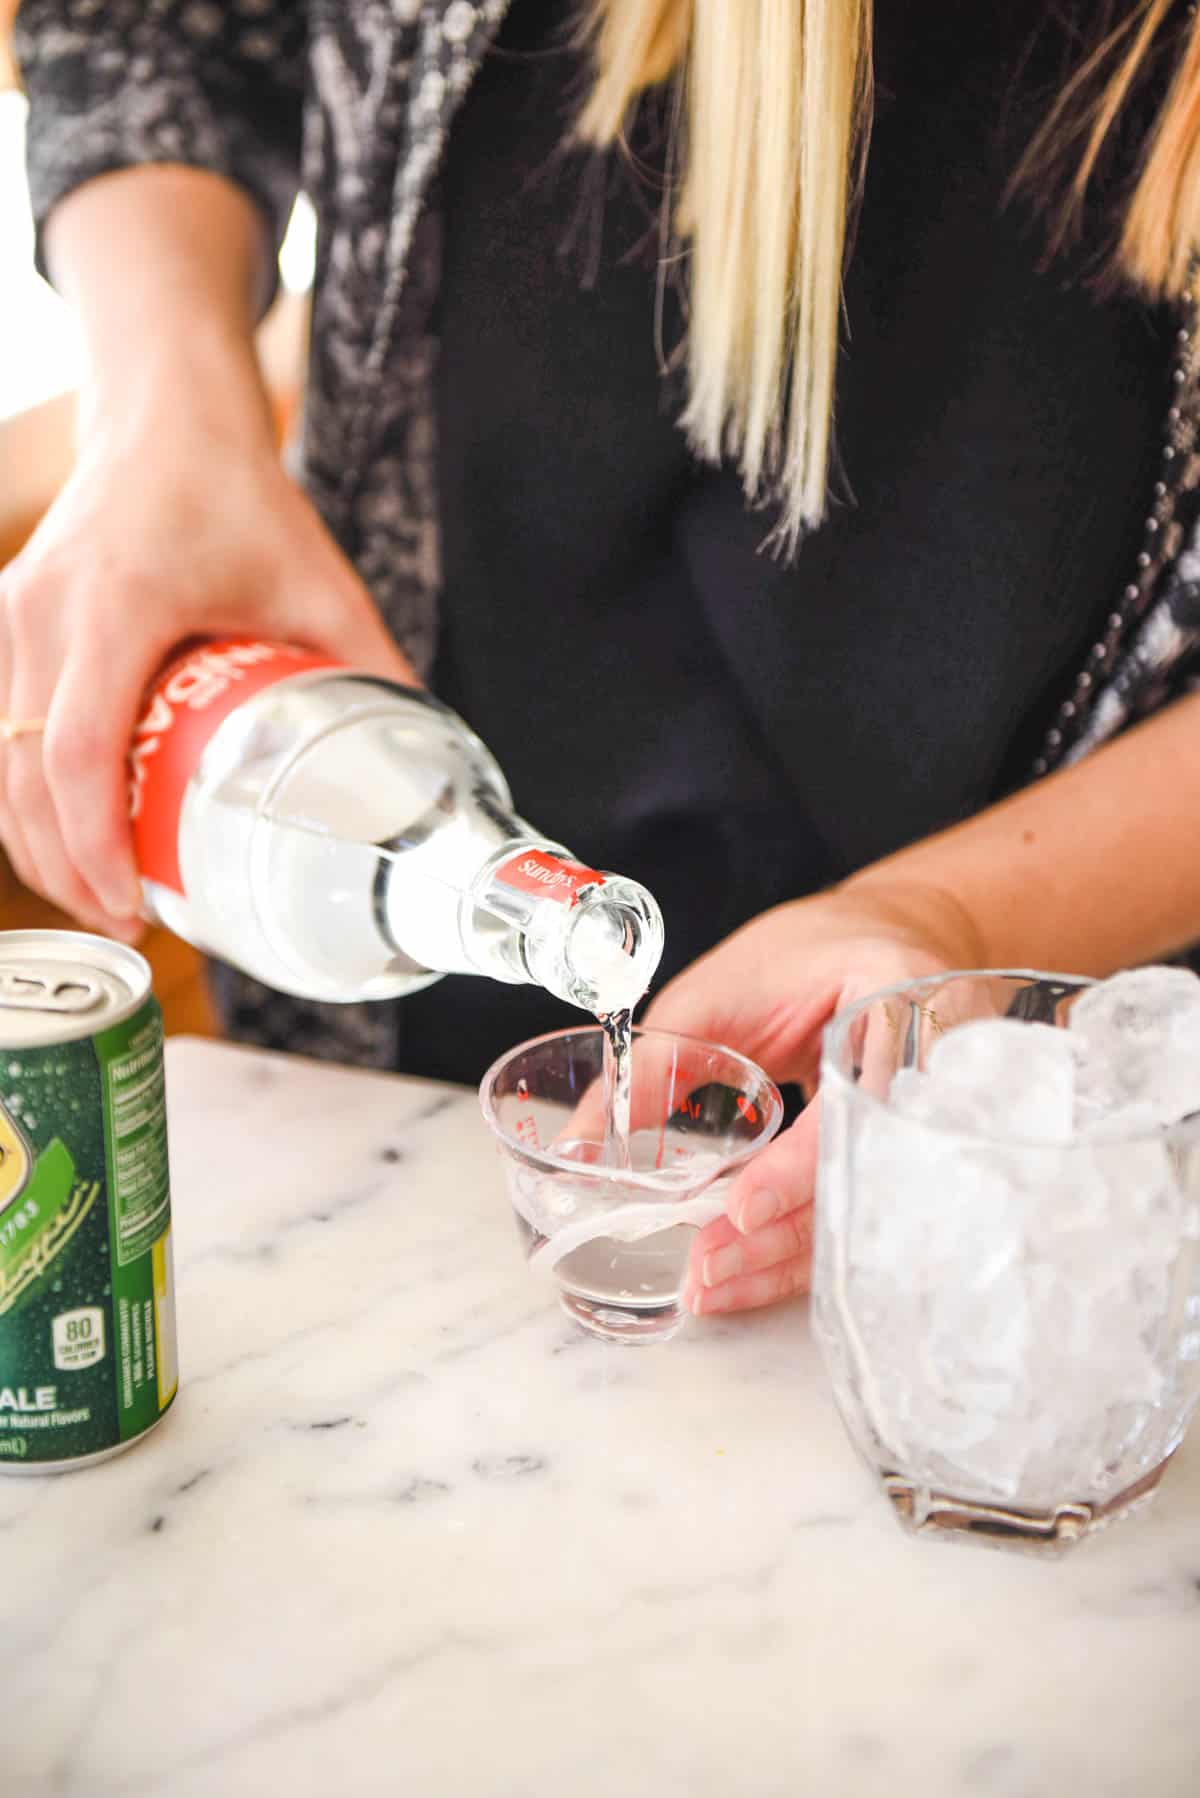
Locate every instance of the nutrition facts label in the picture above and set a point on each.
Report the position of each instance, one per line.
(137, 1121)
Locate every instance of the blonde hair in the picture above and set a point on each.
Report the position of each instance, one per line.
(775, 101)
(774, 118)
(1159, 228)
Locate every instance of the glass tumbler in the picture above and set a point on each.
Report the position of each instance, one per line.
(1011, 1325)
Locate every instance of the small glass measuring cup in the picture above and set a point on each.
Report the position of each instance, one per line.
(615, 1241)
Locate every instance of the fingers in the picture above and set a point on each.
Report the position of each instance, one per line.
(783, 1241)
(789, 1243)
(781, 1178)
(86, 748)
(363, 642)
(10, 823)
(112, 580)
(897, 1033)
(762, 1251)
(61, 770)
(345, 621)
(16, 848)
(49, 867)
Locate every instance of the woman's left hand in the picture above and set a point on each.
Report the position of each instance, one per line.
(769, 991)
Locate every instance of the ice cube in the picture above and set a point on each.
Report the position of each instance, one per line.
(928, 1206)
(1137, 1004)
(1013, 1294)
(1137, 1043)
(979, 1333)
(1012, 1298)
(957, 1109)
(1002, 1078)
(1120, 1122)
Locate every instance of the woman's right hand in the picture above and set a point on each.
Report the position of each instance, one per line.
(171, 530)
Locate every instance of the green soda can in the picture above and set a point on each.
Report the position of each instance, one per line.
(87, 1303)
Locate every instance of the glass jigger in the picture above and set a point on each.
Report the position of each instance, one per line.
(1012, 1327)
(614, 1241)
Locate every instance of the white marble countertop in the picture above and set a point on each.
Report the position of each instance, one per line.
(407, 1531)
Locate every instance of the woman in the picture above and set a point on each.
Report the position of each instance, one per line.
(803, 752)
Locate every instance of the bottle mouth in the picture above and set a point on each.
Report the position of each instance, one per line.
(614, 944)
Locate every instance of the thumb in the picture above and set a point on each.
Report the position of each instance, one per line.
(781, 1178)
(333, 611)
(363, 641)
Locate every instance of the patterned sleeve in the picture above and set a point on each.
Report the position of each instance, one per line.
(216, 84)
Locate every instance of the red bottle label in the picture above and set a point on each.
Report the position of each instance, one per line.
(533, 871)
(193, 695)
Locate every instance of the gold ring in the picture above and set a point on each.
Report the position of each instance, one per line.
(21, 727)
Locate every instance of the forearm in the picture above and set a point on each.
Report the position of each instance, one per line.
(1090, 870)
(166, 268)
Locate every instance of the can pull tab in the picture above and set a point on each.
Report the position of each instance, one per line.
(48, 989)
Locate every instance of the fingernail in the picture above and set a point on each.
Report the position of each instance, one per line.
(121, 916)
(723, 1264)
(708, 1302)
(123, 889)
(759, 1209)
(693, 1300)
(126, 930)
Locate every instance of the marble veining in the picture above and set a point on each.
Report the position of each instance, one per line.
(407, 1531)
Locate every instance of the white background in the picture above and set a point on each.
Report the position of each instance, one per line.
(39, 344)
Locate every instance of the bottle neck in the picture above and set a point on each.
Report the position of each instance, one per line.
(590, 938)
